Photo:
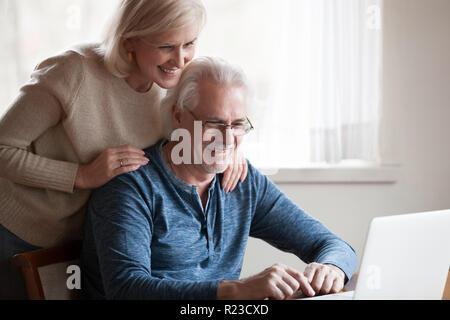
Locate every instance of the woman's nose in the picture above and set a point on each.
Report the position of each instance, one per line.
(180, 58)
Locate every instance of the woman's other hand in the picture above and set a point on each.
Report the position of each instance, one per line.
(111, 163)
(236, 171)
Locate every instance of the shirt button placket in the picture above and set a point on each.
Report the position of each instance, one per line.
(206, 231)
(211, 246)
(209, 240)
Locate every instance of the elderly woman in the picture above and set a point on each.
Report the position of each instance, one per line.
(83, 119)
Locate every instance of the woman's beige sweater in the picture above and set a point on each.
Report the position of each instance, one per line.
(70, 111)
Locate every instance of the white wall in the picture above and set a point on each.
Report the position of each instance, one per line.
(415, 132)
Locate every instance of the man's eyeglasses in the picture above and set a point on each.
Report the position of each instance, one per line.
(240, 129)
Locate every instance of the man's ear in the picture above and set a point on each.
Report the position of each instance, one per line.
(176, 117)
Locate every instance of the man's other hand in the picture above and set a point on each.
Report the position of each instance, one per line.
(278, 282)
(325, 278)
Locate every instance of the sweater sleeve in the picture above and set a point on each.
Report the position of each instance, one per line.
(41, 104)
(281, 223)
(120, 219)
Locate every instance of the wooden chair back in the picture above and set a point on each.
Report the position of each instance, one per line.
(45, 272)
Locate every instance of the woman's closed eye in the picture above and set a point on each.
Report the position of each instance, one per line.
(171, 47)
(190, 44)
(166, 47)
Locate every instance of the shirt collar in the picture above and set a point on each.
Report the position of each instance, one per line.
(173, 177)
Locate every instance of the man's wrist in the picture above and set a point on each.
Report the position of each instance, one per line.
(228, 290)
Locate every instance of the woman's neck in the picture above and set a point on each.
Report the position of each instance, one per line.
(138, 83)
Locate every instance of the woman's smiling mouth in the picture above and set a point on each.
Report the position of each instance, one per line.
(169, 71)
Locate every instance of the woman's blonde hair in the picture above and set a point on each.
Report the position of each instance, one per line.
(141, 18)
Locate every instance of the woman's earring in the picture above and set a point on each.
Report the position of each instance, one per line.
(130, 56)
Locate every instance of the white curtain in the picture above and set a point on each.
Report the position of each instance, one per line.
(316, 66)
(33, 30)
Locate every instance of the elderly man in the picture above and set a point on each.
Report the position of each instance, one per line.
(169, 231)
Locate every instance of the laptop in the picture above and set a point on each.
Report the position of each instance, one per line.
(406, 257)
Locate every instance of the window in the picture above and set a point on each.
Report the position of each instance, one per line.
(33, 30)
(315, 66)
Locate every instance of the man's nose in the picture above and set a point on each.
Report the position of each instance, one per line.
(229, 136)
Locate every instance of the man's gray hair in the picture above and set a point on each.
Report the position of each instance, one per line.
(186, 95)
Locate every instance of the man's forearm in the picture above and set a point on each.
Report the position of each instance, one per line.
(149, 288)
(338, 253)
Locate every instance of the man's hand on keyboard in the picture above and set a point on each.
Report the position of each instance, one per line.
(278, 282)
(325, 278)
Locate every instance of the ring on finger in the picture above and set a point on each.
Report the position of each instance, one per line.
(122, 163)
